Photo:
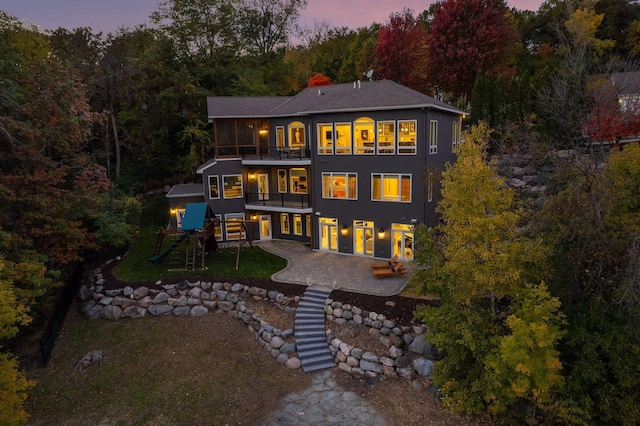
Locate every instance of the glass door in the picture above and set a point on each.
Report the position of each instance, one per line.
(402, 239)
(265, 227)
(328, 234)
(363, 237)
(263, 187)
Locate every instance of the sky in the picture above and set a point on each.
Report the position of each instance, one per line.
(108, 15)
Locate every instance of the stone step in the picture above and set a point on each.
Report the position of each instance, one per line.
(307, 346)
(301, 328)
(312, 338)
(315, 334)
(314, 314)
(311, 306)
(320, 291)
(313, 298)
(311, 353)
(317, 367)
(309, 321)
(317, 362)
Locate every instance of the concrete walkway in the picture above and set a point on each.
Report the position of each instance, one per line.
(337, 271)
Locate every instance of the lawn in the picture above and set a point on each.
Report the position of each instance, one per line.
(136, 266)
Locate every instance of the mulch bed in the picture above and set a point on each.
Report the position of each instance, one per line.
(396, 308)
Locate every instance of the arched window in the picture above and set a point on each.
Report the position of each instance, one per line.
(297, 137)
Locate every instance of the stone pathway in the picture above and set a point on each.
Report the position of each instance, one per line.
(325, 403)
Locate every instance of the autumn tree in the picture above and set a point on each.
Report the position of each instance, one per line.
(319, 80)
(466, 36)
(487, 275)
(401, 51)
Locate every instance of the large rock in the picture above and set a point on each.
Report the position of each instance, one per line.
(195, 292)
(225, 306)
(141, 292)
(161, 297)
(370, 366)
(84, 308)
(181, 311)
(123, 302)
(85, 293)
(134, 312)
(180, 301)
(423, 366)
(111, 312)
(198, 310)
(293, 363)
(95, 312)
(160, 309)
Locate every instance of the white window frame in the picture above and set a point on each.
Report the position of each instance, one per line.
(281, 138)
(430, 188)
(349, 134)
(399, 177)
(326, 150)
(388, 149)
(227, 217)
(455, 135)
(347, 176)
(224, 195)
(299, 179)
(433, 137)
(217, 187)
(297, 224)
(412, 129)
(364, 126)
(285, 225)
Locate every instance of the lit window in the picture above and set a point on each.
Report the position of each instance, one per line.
(386, 137)
(282, 180)
(343, 138)
(340, 185)
(214, 193)
(390, 187)
(296, 135)
(234, 228)
(297, 224)
(280, 138)
(232, 186)
(364, 136)
(433, 137)
(308, 225)
(284, 223)
(298, 181)
(217, 228)
(407, 137)
(430, 188)
(325, 139)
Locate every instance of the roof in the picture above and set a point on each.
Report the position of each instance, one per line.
(194, 216)
(206, 165)
(183, 190)
(357, 96)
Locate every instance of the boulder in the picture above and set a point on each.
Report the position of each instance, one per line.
(198, 310)
(293, 363)
(111, 312)
(134, 312)
(423, 366)
(160, 310)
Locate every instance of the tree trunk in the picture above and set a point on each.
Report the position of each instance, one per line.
(116, 139)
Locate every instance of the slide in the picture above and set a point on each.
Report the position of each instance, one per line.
(176, 243)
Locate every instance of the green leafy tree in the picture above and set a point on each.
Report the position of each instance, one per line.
(497, 332)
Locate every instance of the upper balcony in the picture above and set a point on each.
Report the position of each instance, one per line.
(272, 155)
(296, 203)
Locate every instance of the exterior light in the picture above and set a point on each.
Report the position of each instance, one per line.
(254, 217)
(344, 230)
(381, 233)
(252, 176)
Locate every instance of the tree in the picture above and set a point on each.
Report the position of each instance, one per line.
(401, 51)
(319, 80)
(466, 36)
(496, 330)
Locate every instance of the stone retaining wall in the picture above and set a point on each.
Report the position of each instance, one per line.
(408, 355)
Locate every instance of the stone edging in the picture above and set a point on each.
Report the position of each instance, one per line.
(408, 355)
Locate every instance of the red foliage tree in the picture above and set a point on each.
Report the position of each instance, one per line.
(319, 80)
(401, 51)
(610, 120)
(466, 36)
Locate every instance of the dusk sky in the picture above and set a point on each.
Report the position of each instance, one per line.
(108, 15)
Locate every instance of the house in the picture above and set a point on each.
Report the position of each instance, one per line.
(347, 168)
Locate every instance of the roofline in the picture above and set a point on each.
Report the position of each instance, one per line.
(452, 110)
(194, 194)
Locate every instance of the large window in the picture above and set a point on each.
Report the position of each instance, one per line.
(280, 137)
(391, 187)
(282, 180)
(214, 192)
(386, 137)
(298, 181)
(433, 137)
(234, 228)
(240, 137)
(340, 185)
(325, 138)
(364, 136)
(296, 135)
(232, 186)
(343, 138)
(407, 137)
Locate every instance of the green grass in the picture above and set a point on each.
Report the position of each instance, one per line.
(136, 266)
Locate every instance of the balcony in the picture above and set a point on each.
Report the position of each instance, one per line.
(298, 203)
(271, 155)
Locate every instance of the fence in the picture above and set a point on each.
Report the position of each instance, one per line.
(36, 353)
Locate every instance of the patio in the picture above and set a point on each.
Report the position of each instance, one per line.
(337, 271)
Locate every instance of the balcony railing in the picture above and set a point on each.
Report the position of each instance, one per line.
(297, 201)
(275, 153)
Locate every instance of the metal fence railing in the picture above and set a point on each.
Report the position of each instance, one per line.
(36, 353)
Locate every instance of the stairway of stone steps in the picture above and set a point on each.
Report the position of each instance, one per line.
(311, 342)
